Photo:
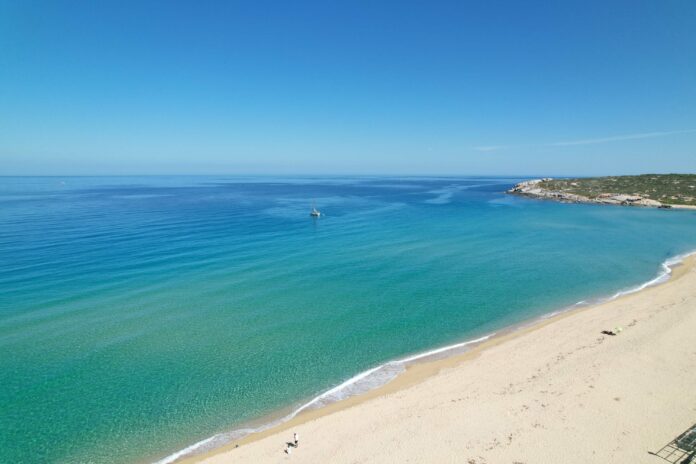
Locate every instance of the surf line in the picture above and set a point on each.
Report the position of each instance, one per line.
(391, 369)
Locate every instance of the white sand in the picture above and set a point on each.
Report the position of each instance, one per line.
(559, 392)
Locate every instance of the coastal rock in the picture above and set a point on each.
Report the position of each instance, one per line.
(535, 188)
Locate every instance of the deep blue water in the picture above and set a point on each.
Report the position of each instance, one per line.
(140, 315)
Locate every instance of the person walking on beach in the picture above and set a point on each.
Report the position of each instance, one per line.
(296, 438)
(287, 448)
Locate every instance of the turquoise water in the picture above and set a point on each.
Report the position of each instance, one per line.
(140, 315)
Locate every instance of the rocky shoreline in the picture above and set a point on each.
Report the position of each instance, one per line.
(534, 188)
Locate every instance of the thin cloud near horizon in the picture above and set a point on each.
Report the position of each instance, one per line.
(614, 138)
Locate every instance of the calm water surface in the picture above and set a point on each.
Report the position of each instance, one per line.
(140, 315)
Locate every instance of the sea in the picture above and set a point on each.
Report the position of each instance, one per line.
(147, 318)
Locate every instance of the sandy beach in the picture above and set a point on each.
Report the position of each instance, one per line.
(558, 391)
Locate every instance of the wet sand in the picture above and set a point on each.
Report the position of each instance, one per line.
(557, 391)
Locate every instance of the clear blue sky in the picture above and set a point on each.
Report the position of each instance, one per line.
(487, 87)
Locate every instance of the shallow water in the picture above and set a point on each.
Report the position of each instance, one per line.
(140, 315)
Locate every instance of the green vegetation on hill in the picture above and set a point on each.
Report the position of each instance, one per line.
(671, 189)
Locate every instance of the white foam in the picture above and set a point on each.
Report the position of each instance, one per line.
(384, 373)
(356, 385)
(188, 450)
(444, 349)
(662, 276)
(373, 378)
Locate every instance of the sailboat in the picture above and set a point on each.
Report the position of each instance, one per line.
(315, 212)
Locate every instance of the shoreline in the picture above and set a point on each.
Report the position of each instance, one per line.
(533, 189)
(415, 369)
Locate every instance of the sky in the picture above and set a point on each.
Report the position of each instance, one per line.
(355, 87)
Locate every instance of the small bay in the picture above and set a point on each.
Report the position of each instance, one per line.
(139, 315)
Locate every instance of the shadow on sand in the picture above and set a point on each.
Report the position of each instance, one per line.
(681, 450)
